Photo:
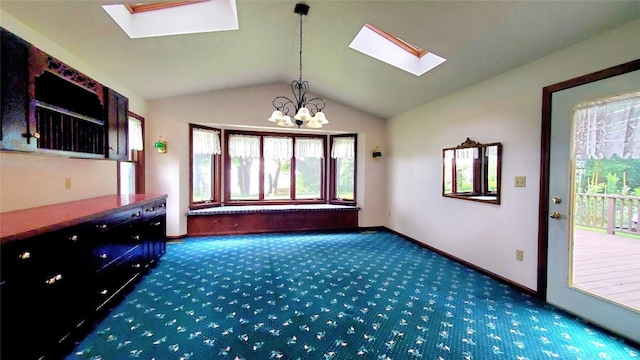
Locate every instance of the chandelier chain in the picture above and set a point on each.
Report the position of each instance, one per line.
(300, 47)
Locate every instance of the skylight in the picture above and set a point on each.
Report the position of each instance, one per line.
(394, 51)
(174, 18)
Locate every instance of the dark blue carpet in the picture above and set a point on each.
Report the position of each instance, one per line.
(333, 296)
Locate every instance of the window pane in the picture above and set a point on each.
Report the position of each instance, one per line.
(345, 174)
(308, 178)
(245, 173)
(464, 174)
(127, 178)
(277, 179)
(448, 170)
(203, 166)
(492, 158)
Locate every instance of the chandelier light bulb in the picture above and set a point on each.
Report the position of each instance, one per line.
(320, 118)
(276, 116)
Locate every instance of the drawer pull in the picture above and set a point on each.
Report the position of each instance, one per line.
(74, 238)
(136, 237)
(136, 266)
(104, 292)
(103, 226)
(150, 210)
(103, 256)
(156, 223)
(25, 255)
(136, 214)
(162, 205)
(53, 280)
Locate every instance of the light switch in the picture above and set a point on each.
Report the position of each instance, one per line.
(521, 181)
(519, 255)
(67, 183)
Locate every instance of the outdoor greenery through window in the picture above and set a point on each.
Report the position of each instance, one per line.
(275, 167)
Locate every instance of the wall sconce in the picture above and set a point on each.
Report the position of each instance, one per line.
(376, 153)
(161, 146)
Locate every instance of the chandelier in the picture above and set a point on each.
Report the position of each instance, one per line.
(307, 112)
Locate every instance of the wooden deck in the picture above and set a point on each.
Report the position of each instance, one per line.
(607, 265)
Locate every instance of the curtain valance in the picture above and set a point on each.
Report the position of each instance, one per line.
(278, 147)
(343, 148)
(309, 148)
(244, 146)
(206, 142)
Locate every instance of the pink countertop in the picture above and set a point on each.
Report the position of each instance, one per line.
(20, 224)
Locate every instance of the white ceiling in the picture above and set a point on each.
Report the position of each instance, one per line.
(479, 39)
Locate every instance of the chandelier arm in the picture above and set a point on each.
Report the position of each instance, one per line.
(284, 104)
(315, 105)
(300, 89)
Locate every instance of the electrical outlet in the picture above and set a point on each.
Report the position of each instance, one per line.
(519, 255)
(521, 181)
(67, 183)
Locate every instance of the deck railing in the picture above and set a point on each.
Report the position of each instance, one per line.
(614, 213)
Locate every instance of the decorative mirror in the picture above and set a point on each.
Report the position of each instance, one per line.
(471, 171)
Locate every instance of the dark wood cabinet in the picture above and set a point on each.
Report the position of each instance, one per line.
(55, 284)
(116, 123)
(49, 107)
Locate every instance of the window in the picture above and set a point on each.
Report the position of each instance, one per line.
(343, 169)
(205, 166)
(131, 172)
(274, 167)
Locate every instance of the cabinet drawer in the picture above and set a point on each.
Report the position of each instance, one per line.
(113, 280)
(119, 218)
(32, 255)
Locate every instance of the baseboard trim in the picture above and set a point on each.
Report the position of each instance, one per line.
(497, 277)
(176, 237)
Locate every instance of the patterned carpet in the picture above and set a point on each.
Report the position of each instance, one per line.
(332, 296)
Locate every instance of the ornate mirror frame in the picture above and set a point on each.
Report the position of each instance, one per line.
(472, 171)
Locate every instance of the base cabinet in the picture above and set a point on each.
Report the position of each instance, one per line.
(55, 285)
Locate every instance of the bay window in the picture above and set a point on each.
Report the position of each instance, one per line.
(237, 167)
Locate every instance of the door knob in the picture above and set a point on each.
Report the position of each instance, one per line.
(556, 200)
(555, 215)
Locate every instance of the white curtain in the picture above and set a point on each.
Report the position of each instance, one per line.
(244, 146)
(343, 148)
(278, 147)
(492, 151)
(206, 142)
(309, 148)
(608, 127)
(467, 153)
(135, 134)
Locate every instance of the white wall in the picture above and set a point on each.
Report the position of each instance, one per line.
(507, 109)
(250, 107)
(28, 180)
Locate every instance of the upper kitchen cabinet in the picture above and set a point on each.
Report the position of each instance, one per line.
(49, 107)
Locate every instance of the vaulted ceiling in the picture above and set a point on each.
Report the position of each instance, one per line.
(479, 39)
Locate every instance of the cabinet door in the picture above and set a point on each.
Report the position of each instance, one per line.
(117, 121)
(16, 132)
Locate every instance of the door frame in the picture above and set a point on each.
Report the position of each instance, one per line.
(545, 149)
